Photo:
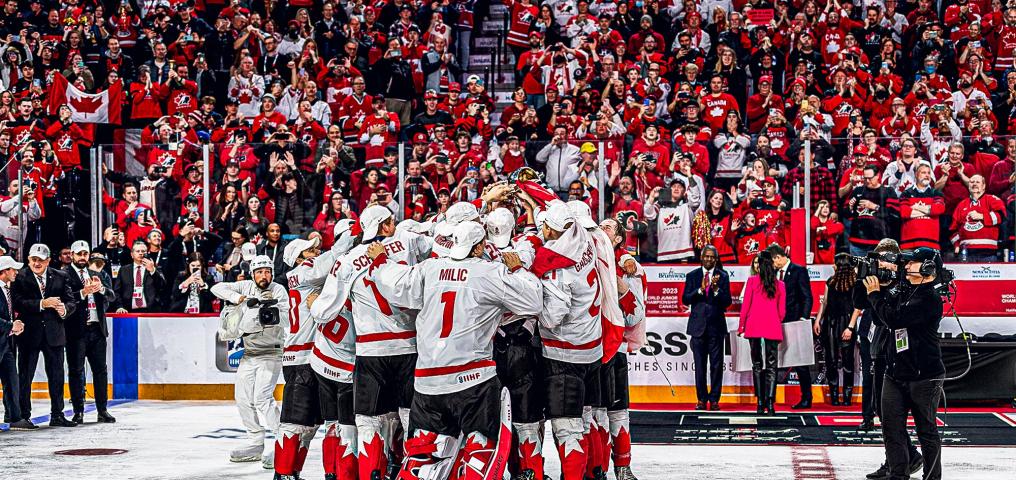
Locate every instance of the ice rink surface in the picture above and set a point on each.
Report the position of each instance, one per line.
(192, 440)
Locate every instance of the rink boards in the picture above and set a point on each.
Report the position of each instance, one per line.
(177, 357)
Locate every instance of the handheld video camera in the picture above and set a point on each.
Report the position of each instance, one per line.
(868, 266)
(268, 313)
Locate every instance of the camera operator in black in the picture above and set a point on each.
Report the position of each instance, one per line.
(872, 339)
(912, 311)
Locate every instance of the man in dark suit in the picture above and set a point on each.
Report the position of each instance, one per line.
(43, 300)
(707, 292)
(9, 328)
(140, 285)
(86, 334)
(799, 302)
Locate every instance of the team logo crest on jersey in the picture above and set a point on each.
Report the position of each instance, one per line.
(751, 246)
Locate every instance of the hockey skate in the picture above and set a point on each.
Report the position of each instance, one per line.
(624, 473)
(248, 453)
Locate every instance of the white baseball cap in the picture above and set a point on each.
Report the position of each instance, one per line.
(559, 216)
(582, 213)
(372, 218)
(40, 251)
(342, 227)
(262, 261)
(80, 246)
(248, 251)
(8, 262)
(295, 248)
(500, 227)
(461, 212)
(466, 236)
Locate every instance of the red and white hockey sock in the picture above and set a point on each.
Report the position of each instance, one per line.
(345, 456)
(301, 454)
(288, 446)
(530, 449)
(599, 443)
(569, 435)
(330, 447)
(370, 442)
(620, 438)
(589, 443)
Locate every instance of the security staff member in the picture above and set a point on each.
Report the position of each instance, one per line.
(86, 333)
(912, 312)
(43, 300)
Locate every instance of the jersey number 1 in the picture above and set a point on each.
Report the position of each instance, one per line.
(448, 299)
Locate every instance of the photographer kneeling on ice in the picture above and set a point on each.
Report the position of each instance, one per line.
(258, 308)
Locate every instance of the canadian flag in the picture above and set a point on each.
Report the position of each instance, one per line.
(102, 107)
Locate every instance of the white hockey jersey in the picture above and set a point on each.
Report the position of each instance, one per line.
(334, 352)
(525, 247)
(673, 230)
(304, 279)
(461, 304)
(570, 321)
(382, 329)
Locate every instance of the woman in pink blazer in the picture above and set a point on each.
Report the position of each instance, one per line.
(762, 310)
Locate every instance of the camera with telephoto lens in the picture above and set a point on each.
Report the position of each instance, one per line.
(868, 266)
(268, 313)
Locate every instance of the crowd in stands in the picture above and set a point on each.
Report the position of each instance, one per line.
(702, 114)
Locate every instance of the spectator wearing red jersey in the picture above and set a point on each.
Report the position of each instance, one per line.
(920, 208)
(975, 223)
(825, 230)
(1003, 174)
(762, 103)
(717, 103)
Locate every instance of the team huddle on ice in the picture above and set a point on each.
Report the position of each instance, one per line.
(400, 338)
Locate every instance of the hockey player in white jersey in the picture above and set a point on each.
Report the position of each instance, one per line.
(613, 291)
(261, 364)
(462, 299)
(517, 350)
(332, 359)
(571, 331)
(385, 340)
(457, 213)
(615, 372)
(301, 413)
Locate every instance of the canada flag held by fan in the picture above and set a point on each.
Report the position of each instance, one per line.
(101, 107)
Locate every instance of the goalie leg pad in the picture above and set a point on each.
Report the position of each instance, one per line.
(429, 456)
(475, 458)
